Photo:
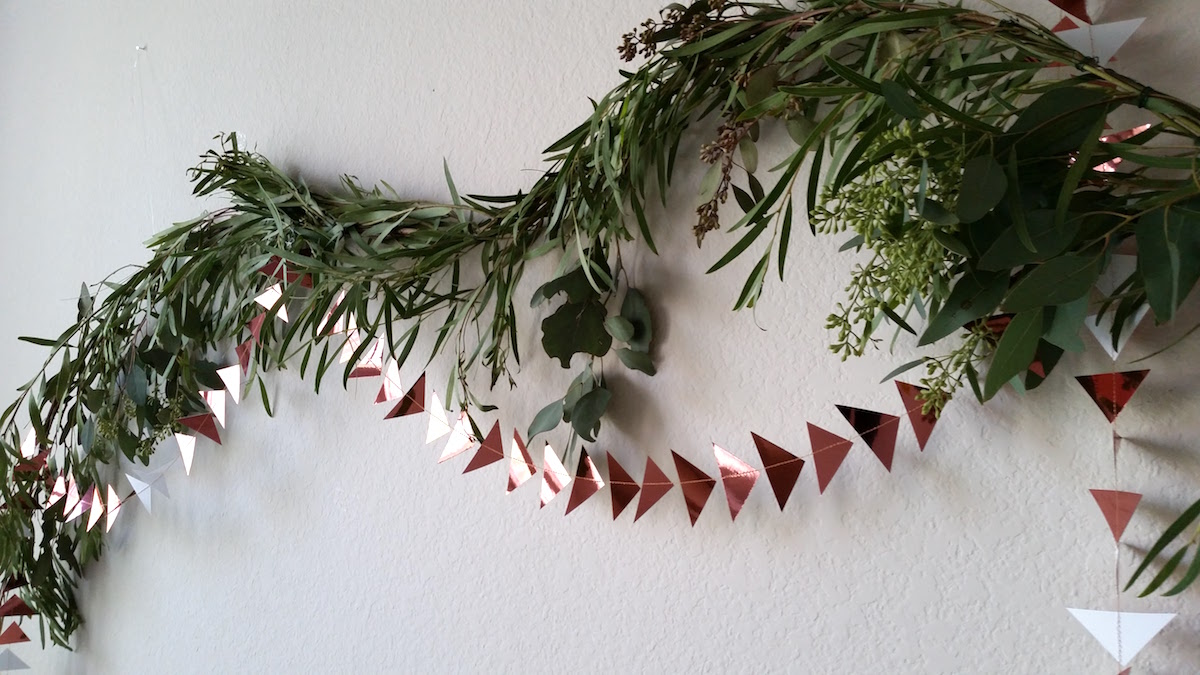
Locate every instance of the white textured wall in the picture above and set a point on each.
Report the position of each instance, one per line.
(326, 540)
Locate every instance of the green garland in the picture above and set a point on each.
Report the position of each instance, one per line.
(929, 138)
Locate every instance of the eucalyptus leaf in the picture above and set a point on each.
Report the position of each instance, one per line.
(983, 187)
(636, 360)
(1169, 256)
(973, 297)
(547, 419)
(1014, 352)
(1055, 282)
(585, 419)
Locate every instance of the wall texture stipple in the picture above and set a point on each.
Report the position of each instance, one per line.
(328, 540)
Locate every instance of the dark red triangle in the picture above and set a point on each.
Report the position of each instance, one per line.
(243, 354)
(413, 402)
(655, 484)
(1117, 507)
(205, 423)
(621, 485)
(1065, 24)
(15, 606)
(490, 451)
(12, 635)
(1076, 8)
(914, 400)
(13, 584)
(829, 451)
(275, 267)
(878, 430)
(587, 482)
(1112, 391)
(695, 484)
(782, 467)
(256, 325)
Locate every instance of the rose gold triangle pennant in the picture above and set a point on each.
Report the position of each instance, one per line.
(829, 450)
(275, 267)
(12, 635)
(695, 484)
(15, 606)
(914, 401)
(97, 508)
(878, 430)
(32, 464)
(1065, 24)
(782, 467)
(371, 363)
(587, 482)
(243, 354)
(203, 423)
(256, 325)
(520, 465)
(390, 389)
(1117, 507)
(1112, 391)
(1076, 8)
(737, 477)
(655, 484)
(621, 485)
(491, 450)
(554, 476)
(412, 403)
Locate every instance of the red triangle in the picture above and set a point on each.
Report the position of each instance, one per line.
(655, 484)
(204, 423)
(829, 451)
(15, 606)
(491, 450)
(413, 401)
(275, 267)
(695, 484)
(878, 430)
(243, 354)
(13, 584)
(782, 467)
(621, 485)
(12, 635)
(33, 464)
(1117, 507)
(1065, 24)
(587, 482)
(256, 325)
(914, 401)
(1076, 8)
(1112, 391)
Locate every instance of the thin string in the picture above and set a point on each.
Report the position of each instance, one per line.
(1116, 543)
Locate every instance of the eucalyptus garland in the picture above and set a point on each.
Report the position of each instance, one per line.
(956, 149)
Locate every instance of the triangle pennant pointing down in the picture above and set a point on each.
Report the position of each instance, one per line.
(829, 451)
(1076, 8)
(490, 451)
(520, 465)
(413, 402)
(737, 477)
(1117, 507)
(554, 476)
(1122, 634)
(695, 484)
(878, 430)
(1112, 391)
(621, 485)
(204, 423)
(914, 401)
(587, 482)
(655, 484)
(782, 467)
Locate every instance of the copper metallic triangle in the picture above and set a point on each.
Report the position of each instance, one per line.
(204, 423)
(587, 482)
(782, 467)
(1076, 8)
(1117, 507)
(655, 484)
(621, 485)
(695, 484)
(914, 402)
(15, 606)
(412, 403)
(737, 477)
(829, 451)
(243, 354)
(490, 451)
(878, 430)
(1112, 391)
(13, 584)
(12, 635)
(256, 325)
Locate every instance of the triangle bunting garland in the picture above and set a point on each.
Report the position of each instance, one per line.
(15, 606)
(520, 464)
(1117, 507)
(829, 451)
(12, 635)
(737, 477)
(554, 476)
(695, 484)
(782, 467)
(232, 379)
(587, 482)
(878, 430)
(621, 485)
(187, 450)
(1112, 391)
(1122, 634)
(655, 484)
(438, 425)
(491, 450)
(413, 402)
(460, 439)
(204, 423)
(922, 423)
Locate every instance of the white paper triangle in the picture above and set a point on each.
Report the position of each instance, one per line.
(438, 425)
(82, 506)
(187, 450)
(72, 500)
(390, 389)
(1101, 40)
(349, 347)
(97, 508)
(232, 377)
(114, 507)
(345, 322)
(29, 445)
(216, 403)
(9, 661)
(58, 492)
(1101, 327)
(270, 297)
(1136, 630)
(141, 490)
(460, 439)
(553, 473)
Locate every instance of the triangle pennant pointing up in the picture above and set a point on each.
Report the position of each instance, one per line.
(782, 467)
(12, 635)
(621, 485)
(695, 484)
(1112, 391)
(1117, 507)
(737, 477)
(914, 402)
(1122, 634)
(587, 482)
(829, 451)
(878, 430)
(9, 661)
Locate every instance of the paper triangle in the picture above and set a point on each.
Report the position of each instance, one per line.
(520, 464)
(255, 327)
(71, 501)
(878, 430)
(216, 403)
(587, 482)
(29, 447)
(141, 490)
(243, 353)
(1112, 391)
(922, 423)
(97, 508)
(621, 486)
(345, 323)
(1076, 8)
(371, 363)
(554, 476)
(695, 485)
(271, 297)
(15, 606)
(187, 450)
(491, 450)
(829, 450)
(655, 484)
(438, 426)
(1101, 41)
(413, 402)
(460, 439)
(1101, 327)
(781, 466)
(57, 492)
(737, 477)
(390, 389)
(1117, 507)
(232, 378)
(1065, 24)
(277, 268)
(203, 423)
(14, 583)
(114, 507)
(1136, 630)
(9, 661)
(82, 506)
(12, 635)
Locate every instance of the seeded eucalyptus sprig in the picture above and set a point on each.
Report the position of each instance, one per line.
(956, 149)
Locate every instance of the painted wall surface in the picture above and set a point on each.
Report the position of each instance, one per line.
(327, 540)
